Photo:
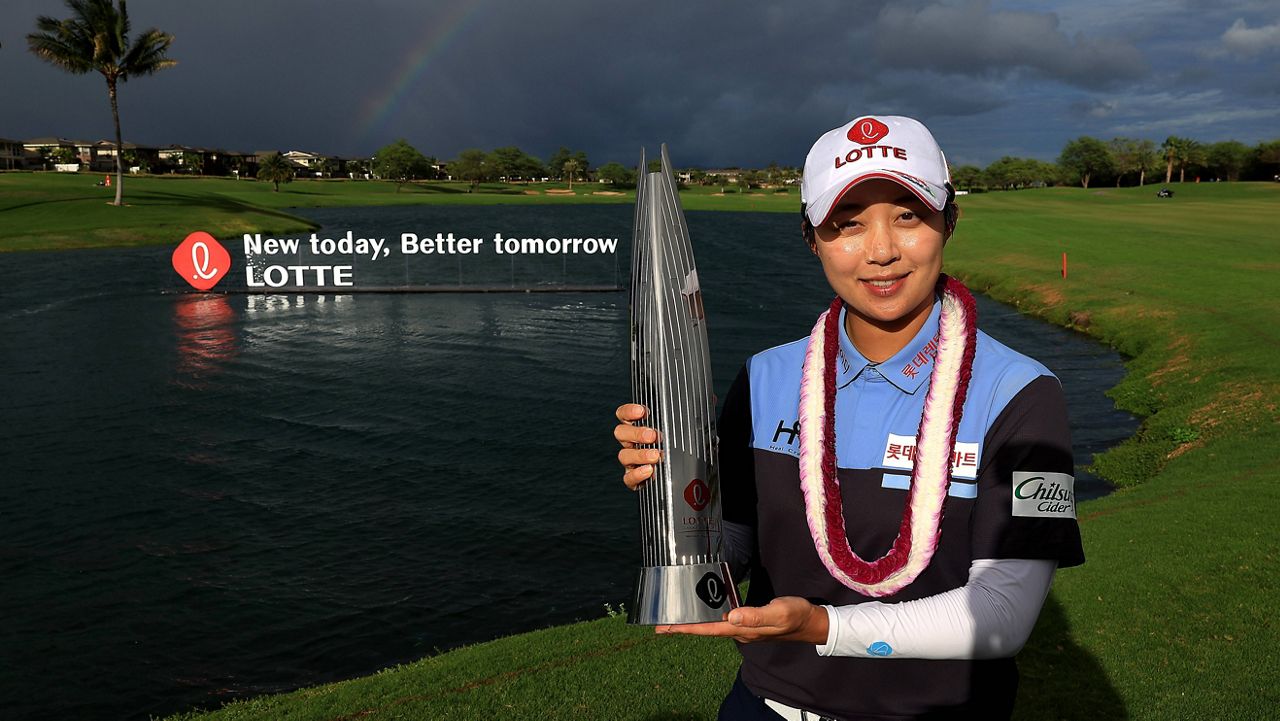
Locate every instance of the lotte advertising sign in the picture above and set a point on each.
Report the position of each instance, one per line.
(316, 262)
(201, 260)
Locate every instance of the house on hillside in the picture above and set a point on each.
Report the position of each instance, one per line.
(193, 161)
(11, 154)
(213, 161)
(44, 153)
(170, 157)
(346, 166)
(87, 152)
(313, 164)
(240, 164)
(300, 168)
(729, 174)
(137, 158)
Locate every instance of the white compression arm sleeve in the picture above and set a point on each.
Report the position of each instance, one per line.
(991, 616)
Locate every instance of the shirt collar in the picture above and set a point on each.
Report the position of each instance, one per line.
(907, 369)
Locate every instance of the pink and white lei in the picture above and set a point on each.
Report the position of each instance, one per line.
(920, 531)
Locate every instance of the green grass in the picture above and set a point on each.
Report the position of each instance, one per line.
(1177, 604)
(54, 211)
(600, 669)
(1173, 616)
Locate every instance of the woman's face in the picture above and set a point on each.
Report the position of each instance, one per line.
(881, 249)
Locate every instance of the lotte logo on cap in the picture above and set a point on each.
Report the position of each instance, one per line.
(201, 260)
(866, 131)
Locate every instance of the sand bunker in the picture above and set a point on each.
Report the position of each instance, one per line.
(560, 191)
(607, 192)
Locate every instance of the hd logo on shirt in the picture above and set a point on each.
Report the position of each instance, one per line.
(1044, 495)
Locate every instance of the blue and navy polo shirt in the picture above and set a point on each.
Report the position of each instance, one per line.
(1010, 497)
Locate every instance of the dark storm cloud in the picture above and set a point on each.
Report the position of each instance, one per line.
(723, 83)
(931, 94)
(1094, 107)
(972, 38)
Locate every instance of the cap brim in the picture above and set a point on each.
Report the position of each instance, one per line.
(821, 207)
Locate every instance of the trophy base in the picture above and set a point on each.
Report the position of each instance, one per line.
(698, 593)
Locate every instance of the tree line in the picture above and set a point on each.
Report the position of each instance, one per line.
(401, 162)
(1084, 160)
(1127, 161)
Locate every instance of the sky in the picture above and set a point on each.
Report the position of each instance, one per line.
(723, 83)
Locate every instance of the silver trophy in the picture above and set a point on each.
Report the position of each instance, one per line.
(683, 579)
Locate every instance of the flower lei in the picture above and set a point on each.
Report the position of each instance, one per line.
(920, 530)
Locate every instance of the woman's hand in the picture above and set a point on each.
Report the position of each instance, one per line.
(787, 618)
(636, 461)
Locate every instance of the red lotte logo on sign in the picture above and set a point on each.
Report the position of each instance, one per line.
(201, 260)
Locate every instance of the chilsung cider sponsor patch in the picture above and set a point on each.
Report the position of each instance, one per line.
(1044, 495)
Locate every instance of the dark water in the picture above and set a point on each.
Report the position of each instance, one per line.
(209, 497)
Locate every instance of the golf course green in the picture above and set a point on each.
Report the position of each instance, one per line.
(1174, 616)
(56, 211)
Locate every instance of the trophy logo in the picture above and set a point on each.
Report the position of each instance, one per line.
(711, 590)
(697, 494)
(201, 260)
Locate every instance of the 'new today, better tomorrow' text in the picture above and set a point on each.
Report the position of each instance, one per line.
(349, 245)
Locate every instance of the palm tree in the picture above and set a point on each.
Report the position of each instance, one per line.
(1176, 151)
(96, 37)
(275, 169)
(1192, 154)
(570, 167)
(1145, 156)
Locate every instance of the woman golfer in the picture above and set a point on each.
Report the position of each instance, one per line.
(897, 483)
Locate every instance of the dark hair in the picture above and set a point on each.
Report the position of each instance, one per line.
(950, 214)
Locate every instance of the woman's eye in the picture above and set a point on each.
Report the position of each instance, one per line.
(908, 216)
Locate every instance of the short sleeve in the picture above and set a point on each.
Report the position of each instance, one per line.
(1026, 506)
(737, 460)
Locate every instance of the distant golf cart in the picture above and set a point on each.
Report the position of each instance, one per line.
(1164, 193)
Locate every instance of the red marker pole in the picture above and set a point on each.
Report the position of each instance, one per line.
(1064, 265)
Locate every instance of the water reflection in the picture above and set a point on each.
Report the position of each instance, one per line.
(274, 302)
(206, 336)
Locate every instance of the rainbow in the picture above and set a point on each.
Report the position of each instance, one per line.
(439, 37)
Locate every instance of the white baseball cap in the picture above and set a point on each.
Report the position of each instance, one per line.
(873, 146)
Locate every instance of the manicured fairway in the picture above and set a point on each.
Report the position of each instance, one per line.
(47, 211)
(1173, 616)
(1177, 605)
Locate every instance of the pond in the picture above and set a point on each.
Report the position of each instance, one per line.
(207, 497)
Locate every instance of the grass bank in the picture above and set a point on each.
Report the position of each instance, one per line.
(54, 211)
(1173, 616)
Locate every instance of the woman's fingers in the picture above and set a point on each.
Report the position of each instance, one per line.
(637, 461)
(635, 477)
(638, 464)
(635, 457)
(628, 412)
(629, 435)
